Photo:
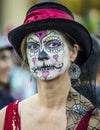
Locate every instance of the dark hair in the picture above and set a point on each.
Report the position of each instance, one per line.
(23, 52)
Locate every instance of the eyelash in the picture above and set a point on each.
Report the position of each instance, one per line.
(57, 45)
(51, 44)
(33, 46)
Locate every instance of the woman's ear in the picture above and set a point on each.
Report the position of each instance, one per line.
(74, 52)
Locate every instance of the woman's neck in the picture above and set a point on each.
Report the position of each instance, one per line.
(54, 93)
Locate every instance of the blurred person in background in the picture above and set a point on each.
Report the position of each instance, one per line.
(22, 83)
(96, 40)
(15, 82)
(6, 65)
(98, 76)
(98, 83)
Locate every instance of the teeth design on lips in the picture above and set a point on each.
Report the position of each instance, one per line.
(47, 67)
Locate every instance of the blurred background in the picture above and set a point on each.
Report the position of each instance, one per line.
(12, 13)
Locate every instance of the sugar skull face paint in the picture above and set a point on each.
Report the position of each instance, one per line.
(47, 54)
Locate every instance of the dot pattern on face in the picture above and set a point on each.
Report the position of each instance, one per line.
(32, 45)
(54, 45)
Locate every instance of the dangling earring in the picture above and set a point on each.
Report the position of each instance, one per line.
(74, 71)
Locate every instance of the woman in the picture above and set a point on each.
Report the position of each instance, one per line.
(55, 47)
(6, 65)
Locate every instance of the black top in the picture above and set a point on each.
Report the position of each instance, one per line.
(5, 95)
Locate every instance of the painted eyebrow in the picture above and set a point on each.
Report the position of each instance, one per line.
(51, 38)
(32, 40)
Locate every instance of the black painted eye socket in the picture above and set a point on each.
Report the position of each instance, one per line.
(33, 46)
(53, 44)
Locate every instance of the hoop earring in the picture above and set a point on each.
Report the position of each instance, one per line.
(74, 71)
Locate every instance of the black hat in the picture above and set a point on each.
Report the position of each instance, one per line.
(49, 15)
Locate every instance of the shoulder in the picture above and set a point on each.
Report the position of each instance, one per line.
(28, 104)
(2, 117)
(29, 101)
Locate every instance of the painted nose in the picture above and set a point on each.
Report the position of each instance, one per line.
(43, 55)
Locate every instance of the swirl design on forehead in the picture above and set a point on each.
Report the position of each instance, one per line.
(41, 34)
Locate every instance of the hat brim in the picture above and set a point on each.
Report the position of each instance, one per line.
(74, 29)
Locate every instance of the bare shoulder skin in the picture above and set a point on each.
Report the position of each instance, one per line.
(38, 115)
(2, 117)
(35, 114)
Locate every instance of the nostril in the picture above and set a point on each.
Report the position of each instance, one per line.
(43, 55)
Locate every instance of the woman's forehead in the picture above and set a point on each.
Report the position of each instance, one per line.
(45, 33)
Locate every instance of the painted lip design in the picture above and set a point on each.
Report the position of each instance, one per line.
(47, 67)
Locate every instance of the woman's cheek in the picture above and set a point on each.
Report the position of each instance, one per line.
(56, 57)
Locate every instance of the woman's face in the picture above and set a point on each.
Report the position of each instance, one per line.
(5, 65)
(47, 54)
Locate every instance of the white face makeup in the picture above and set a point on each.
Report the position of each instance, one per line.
(47, 54)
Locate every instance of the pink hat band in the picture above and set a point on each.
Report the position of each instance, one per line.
(41, 14)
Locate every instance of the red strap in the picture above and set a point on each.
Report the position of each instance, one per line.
(12, 118)
(83, 125)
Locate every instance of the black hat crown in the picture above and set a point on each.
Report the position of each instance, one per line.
(51, 5)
